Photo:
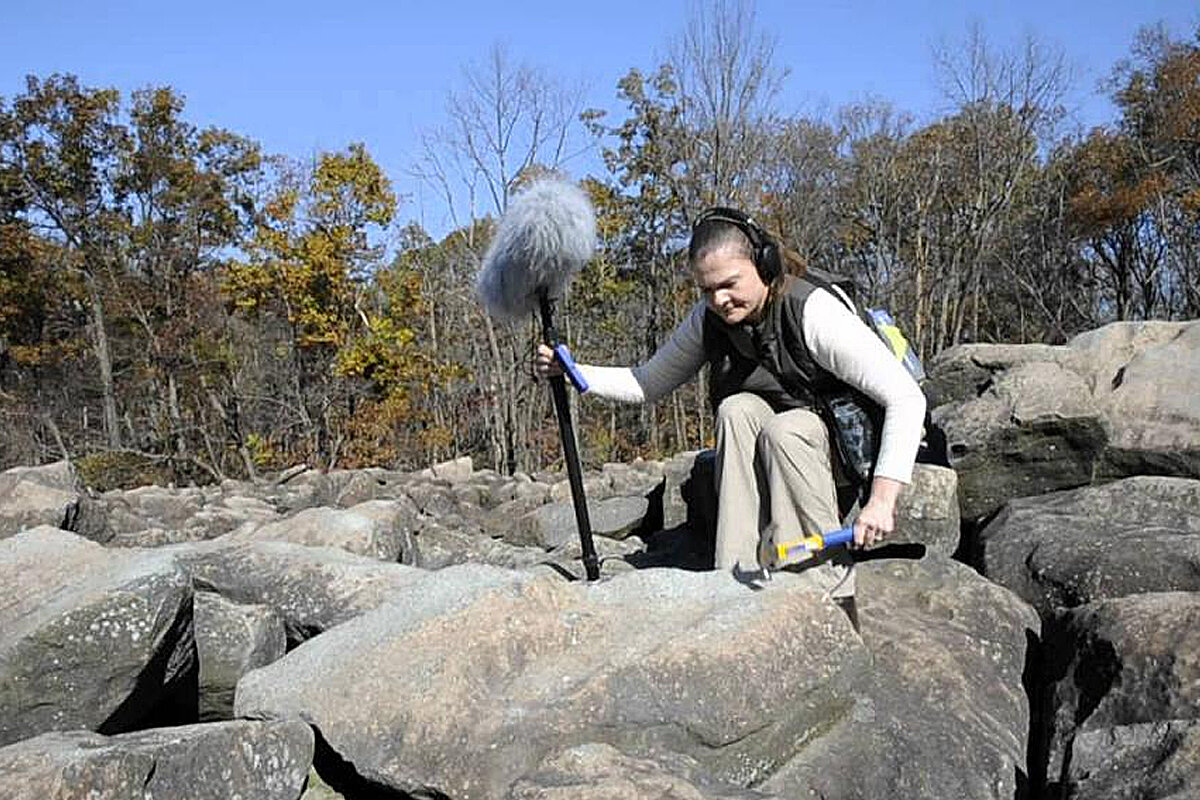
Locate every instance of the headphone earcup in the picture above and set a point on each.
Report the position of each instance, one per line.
(767, 262)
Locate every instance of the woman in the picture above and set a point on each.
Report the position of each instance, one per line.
(773, 337)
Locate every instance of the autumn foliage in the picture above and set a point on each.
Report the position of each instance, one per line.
(174, 298)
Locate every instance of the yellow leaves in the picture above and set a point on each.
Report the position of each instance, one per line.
(282, 207)
(349, 188)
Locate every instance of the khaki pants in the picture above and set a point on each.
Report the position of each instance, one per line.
(775, 484)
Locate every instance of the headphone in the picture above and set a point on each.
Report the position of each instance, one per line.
(766, 249)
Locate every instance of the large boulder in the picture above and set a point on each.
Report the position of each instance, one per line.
(1145, 761)
(942, 711)
(1068, 548)
(380, 529)
(1029, 419)
(1034, 429)
(1144, 378)
(91, 637)
(1123, 663)
(476, 675)
(232, 639)
(312, 589)
(554, 525)
(266, 760)
(47, 495)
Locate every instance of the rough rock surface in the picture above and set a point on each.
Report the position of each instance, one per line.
(33, 496)
(311, 588)
(1125, 662)
(554, 525)
(475, 676)
(90, 637)
(231, 640)
(1068, 548)
(1023, 420)
(602, 772)
(927, 513)
(381, 529)
(923, 725)
(267, 760)
(151, 516)
(1146, 761)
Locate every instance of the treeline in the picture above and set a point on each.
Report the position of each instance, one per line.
(175, 296)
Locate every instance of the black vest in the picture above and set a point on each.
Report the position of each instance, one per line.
(768, 358)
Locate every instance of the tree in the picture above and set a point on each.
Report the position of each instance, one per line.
(724, 68)
(1158, 93)
(63, 145)
(308, 265)
(188, 198)
(506, 123)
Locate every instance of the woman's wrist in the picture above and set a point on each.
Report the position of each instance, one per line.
(885, 492)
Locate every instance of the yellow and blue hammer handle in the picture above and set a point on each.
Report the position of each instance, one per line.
(800, 548)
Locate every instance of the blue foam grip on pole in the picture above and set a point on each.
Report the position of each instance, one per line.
(843, 536)
(570, 367)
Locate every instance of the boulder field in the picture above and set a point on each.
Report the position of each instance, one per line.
(1029, 631)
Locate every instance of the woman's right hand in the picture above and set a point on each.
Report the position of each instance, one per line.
(545, 364)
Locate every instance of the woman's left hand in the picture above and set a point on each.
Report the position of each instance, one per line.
(877, 520)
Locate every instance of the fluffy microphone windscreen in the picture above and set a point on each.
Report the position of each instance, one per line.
(547, 234)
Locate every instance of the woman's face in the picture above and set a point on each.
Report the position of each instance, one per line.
(731, 285)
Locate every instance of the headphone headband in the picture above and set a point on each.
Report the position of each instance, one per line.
(743, 222)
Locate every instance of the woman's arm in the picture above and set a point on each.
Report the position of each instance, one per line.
(676, 361)
(843, 344)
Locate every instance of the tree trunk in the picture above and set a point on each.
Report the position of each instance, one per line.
(112, 423)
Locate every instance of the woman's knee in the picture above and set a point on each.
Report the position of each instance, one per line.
(794, 428)
(742, 408)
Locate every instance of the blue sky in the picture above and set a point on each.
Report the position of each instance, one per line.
(301, 77)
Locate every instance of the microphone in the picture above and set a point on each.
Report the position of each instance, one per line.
(546, 236)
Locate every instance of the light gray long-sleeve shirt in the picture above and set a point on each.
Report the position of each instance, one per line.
(838, 340)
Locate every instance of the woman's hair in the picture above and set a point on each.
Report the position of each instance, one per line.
(721, 227)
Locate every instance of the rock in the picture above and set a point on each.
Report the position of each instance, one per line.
(1036, 429)
(380, 529)
(927, 512)
(1029, 419)
(317, 789)
(310, 588)
(1136, 762)
(554, 525)
(595, 487)
(1150, 402)
(1065, 549)
(602, 772)
(640, 479)
(91, 637)
(33, 496)
(433, 499)
(457, 470)
(151, 516)
(942, 712)
(231, 640)
(1128, 661)
(359, 486)
(962, 373)
(267, 760)
(503, 521)
(687, 482)
(440, 547)
(468, 681)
